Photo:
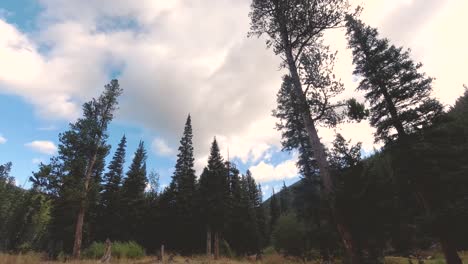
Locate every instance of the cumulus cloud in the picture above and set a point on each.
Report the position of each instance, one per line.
(3, 140)
(170, 66)
(266, 172)
(43, 146)
(161, 148)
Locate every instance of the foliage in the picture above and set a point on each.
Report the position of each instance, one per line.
(289, 236)
(120, 250)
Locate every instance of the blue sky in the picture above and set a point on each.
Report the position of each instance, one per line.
(173, 58)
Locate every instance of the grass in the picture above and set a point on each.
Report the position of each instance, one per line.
(32, 258)
(120, 250)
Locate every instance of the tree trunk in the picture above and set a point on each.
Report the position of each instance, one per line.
(81, 212)
(79, 231)
(450, 252)
(216, 245)
(208, 242)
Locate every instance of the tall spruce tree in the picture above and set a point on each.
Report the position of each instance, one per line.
(275, 211)
(398, 92)
(261, 219)
(285, 199)
(110, 215)
(401, 105)
(82, 150)
(237, 229)
(184, 187)
(133, 195)
(214, 196)
(255, 204)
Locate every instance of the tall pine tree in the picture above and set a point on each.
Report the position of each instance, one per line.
(214, 196)
(285, 199)
(398, 92)
(275, 211)
(82, 150)
(110, 215)
(133, 195)
(294, 29)
(183, 186)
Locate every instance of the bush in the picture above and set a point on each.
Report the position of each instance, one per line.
(120, 250)
(225, 249)
(289, 236)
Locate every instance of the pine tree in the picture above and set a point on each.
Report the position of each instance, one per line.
(261, 219)
(294, 29)
(184, 187)
(275, 211)
(401, 106)
(343, 156)
(213, 190)
(399, 94)
(285, 199)
(110, 216)
(82, 150)
(255, 203)
(133, 195)
(237, 232)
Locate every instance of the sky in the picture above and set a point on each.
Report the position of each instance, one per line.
(175, 57)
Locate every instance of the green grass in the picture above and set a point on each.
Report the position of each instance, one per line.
(120, 250)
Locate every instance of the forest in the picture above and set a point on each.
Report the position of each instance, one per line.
(407, 199)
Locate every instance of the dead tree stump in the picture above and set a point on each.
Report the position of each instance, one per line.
(107, 253)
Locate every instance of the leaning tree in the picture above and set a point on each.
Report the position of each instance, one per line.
(294, 29)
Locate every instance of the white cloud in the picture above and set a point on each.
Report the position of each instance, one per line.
(37, 160)
(48, 128)
(3, 140)
(265, 172)
(161, 148)
(173, 66)
(43, 146)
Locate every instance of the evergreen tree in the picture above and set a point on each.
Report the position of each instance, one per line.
(275, 210)
(133, 195)
(184, 187)
(214, 195)
(82, 150)
(261, 219)
(399, 94)
(285, 199)
(110, 216)
(238, 214)
(343, 156)
(401, 106)
(294, 29)
(254, 207)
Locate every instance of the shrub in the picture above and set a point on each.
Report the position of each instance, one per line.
(225, 249)
(120, 250)
(289, 236)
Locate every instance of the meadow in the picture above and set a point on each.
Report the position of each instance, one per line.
(32, 258)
